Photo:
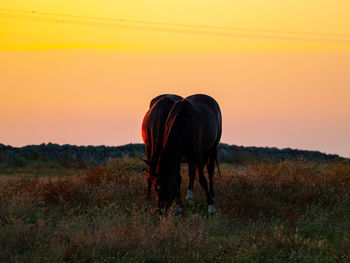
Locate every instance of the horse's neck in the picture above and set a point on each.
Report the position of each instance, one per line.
(157, 133)
(171, 151)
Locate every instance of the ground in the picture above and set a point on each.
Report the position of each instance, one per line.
(267, 212)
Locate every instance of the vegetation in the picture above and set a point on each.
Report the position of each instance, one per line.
(270, 212)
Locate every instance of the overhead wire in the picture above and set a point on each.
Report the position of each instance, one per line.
(172, 27)
(123, 20)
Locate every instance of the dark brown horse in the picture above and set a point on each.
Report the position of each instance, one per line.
(192, 131)
(173, 97)
(153, 131)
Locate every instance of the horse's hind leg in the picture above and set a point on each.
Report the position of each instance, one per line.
(212, 158)
(211, 165)
(204, 184)
(192, 176)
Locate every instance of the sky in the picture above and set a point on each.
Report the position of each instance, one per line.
(83, 72)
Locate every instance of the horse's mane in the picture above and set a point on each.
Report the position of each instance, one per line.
(162, 107)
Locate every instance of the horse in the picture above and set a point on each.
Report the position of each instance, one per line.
(173, 97)
(192, 131)
(153, 130)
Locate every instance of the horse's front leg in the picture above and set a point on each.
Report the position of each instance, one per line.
(192, 176)
(178, 201)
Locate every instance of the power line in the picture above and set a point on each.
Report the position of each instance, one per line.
(122, 20)
(163, 29)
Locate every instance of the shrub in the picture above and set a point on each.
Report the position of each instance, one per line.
(20, 161)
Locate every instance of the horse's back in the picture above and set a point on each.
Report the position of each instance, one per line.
(211, 119)
(194, 121)
(205, 103)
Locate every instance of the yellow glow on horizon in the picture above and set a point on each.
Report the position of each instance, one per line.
(300, 16)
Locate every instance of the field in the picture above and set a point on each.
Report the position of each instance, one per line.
(292, 211)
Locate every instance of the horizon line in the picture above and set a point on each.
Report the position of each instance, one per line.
(141, 143)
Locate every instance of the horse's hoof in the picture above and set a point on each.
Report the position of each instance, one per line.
(189, 195)
(211, 209)
(177, 210)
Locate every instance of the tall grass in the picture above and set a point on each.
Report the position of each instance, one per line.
(282, 212)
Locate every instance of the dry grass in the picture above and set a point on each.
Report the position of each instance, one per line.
(283, 212)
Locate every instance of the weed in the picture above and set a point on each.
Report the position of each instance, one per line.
(268, 212)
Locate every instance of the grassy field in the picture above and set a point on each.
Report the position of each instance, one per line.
(282, 212)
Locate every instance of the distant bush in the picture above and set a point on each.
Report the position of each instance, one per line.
(238, 157)
(20, 161)
(127, 163)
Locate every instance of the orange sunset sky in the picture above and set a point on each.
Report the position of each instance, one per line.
(83, 72)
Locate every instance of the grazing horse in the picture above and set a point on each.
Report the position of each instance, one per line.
(153, 131)
(173, 97)
(192, 131)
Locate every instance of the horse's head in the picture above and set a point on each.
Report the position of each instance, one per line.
(166, 184)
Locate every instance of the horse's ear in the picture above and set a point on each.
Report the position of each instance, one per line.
(147, 162)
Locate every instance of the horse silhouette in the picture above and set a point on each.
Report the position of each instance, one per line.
(192, 131)
(153, 131)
